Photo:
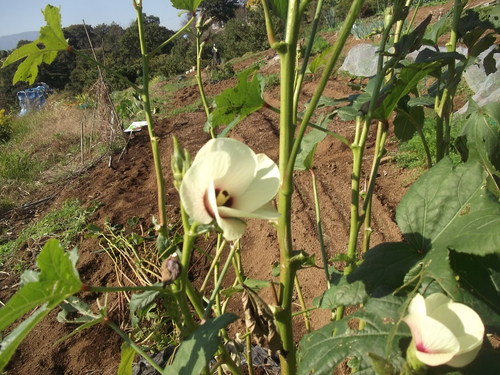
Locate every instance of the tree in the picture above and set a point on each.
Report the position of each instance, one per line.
(154, 35)
(77, 37)
(221, 10)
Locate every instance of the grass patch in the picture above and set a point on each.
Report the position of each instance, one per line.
(47, 145)
(271, 81)
(65, 223)
(193, 107)
(175, 85)
(18, 165)
(411, 154)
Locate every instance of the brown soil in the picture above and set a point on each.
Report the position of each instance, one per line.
(128, 189)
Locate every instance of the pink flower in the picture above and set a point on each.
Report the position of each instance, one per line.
(228, 182)
(444, 332)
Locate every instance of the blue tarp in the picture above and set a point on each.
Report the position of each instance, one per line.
(33, 98)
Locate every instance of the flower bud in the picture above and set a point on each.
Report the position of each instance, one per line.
(180, 162)
(170, 269)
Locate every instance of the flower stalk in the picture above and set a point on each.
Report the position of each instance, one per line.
(160, 182)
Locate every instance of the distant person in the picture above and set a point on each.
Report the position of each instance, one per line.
(216, 55)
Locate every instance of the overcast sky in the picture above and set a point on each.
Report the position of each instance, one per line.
(17, 16)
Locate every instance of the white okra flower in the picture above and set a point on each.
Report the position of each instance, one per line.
(444, 332)
(227, 182)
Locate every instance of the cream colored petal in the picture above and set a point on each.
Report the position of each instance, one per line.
(233, 228)
(472, 322)
(241, 168)
(262, 189)
(436, 300)
(196, 182)
(435, 343)
(265, 212)
(460, 319)
(461, 360)
(417, 305)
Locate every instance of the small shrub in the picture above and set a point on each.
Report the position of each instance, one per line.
(65, 223)
(271, 81)
(5, 127)
(221, 73)
(411, 153)
(18, 165)
(319, 45)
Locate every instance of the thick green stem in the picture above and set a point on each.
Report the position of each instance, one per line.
(288, 269)
(443, 110)
(358, 148)
(337, 49)
(160, 182)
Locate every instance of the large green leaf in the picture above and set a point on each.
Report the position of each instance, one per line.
(57, 280)
(479, 278)
(236, 103)
(10, 343)
(449, 208)
(190, 5)
(199, 348)
(324, 349)
(481, 136)
(43, 50)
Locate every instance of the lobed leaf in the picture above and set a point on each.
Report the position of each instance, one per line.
(324, 349)
(236, 103)
(57, 280)
(43, 50)
(190, 5)
(198, 349)
(449, 208)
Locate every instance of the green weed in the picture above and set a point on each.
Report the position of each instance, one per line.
(411, 154)
(65, 223)
(18, 165)
(271, 81)
(193, 107)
